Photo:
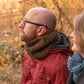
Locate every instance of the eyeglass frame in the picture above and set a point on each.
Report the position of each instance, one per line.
(34, 23)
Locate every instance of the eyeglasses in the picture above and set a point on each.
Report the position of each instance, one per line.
(34, 23)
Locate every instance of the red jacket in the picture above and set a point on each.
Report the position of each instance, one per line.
(51, 70)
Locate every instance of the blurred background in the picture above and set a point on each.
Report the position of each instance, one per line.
(12, 13)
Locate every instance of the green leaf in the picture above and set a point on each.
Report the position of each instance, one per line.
(65, 7)
(18, 19)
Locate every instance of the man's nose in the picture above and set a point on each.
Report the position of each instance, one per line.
(21, 25)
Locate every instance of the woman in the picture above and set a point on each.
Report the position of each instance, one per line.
(76, 62)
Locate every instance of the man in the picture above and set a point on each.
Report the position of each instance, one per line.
(47, 50)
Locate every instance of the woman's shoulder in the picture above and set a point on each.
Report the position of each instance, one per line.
(70, 79)
(80, 79)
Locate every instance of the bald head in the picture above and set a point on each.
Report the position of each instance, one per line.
(42, 16)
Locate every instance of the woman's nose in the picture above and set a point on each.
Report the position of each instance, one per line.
(72, 35)
(21, 25)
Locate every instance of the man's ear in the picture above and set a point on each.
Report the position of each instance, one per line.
(41, 30)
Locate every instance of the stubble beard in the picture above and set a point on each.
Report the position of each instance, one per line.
(25, 38)
(22, 36)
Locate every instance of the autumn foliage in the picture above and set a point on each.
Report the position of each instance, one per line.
(12, 13)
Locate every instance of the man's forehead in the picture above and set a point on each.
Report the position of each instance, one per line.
(32, 15)
(28, 15)
(36, 11)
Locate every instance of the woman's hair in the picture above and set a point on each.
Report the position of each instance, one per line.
(79, 30)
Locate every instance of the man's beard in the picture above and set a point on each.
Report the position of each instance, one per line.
(23, 37)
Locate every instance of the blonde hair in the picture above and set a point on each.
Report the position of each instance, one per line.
(79, 30)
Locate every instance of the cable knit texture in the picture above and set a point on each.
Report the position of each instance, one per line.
(76, 65)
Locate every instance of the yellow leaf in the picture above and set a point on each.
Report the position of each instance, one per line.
(22, 43)
(7, 57)
(71, 42)
(3, 60)
(16, 39)
(10, 42)
(4, 51)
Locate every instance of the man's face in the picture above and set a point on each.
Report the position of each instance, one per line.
(28, 30)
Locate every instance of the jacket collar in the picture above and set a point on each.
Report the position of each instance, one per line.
(62, 42)
(40, 47)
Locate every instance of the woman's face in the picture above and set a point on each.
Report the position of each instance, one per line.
(75, 46)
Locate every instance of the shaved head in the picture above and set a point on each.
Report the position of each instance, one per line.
(42, 16)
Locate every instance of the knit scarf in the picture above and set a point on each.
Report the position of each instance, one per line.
(76, 65)
(40, 47)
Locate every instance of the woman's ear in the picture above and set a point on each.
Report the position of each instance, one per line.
(41, 30)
